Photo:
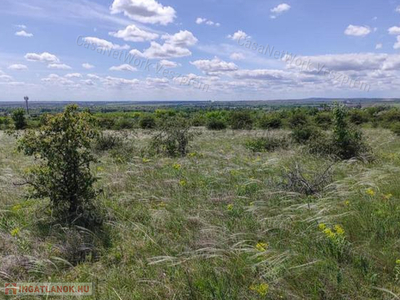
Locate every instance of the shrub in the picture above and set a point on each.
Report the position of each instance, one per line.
(241, 120)
(173, 138)
(358, 117)
(147, 122)
(270, 122)
(267, 144)
(63, 146)
(396, 128)
(18, 117)
(215, 124)
(105, 142)
(298, 119)
(323, 119)
(302, 135)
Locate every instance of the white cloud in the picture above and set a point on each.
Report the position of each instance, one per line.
(149, 11)
(207, 22)
(4, 77)
(214, 66)
(394, 30)
(21, 26)
(18, 67)
(134, 34)
(43, 57)
(124, 67)
(59, 66)
(168, 64)
(236, 56)
(165, 51)
(398, 9)
(87, 66)
(280, 9)
(238, 35)
(58, 80)
(87, 82)
(103, 44)
(120, 82)
(354, 30)
(23, 33)
(397, 44)
(378, 46)
(181, 39)
(73, 75)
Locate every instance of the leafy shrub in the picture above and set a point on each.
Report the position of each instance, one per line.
(173, 138)
(396, 128)
(270, 121)
(323, 119)
(358, 116)
(147, 122)
(215, 124)
(302, 135)
(124, 123)
(63, 146)
(241, 120)
(298, 119)
(267, 144)
(18, 117)
(105, 142)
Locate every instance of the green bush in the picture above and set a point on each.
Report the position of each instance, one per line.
(298, 119)
(241, 120)
(147, 122)
(270, 121)
(396, 128)
(173, 138)
(105, 142)
(267, 144)
(63, 148)
(215, 124)
(18, 117)
(302, 135)
(323, 119)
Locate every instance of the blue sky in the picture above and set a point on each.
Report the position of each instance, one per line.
(199, 49)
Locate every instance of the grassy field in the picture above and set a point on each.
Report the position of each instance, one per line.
(221, 223)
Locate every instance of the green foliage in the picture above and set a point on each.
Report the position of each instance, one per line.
(62, 146)
(267, 144)
(105, 142)
(323, 119)
(173, 138)
(215, 124)
(302, 135)
(396, 128)
(270, 121)
(241, 120)
(147, 122)
(18, 117)
(298, 119)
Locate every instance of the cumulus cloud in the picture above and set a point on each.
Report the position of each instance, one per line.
(237, 56)
(59, 66)
(120, 82)
(104, 44)
(21, 26)
(87, 66)
(149, 11)
(378, 46)
(73, 75)
(397, 44)
(281, 8)
(87, 82)
(183, 38)
(168, 64)
(354, 30)
(18, 67)
(6, 78)
(124, 67)
(43, 57)
(207, 22)
(214, 66)
(23, 33)
(55, 79)
(395, 30)
(134, 34)
(238, 35)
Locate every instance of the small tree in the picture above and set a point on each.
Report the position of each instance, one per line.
(18, 117)
(62, 145)
(147, 122)
(241, 120)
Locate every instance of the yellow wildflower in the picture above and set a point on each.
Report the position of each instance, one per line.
(261, 289)
(347, 202)
(397, 261)
(322, 226)
(162, 205)
(183, 182)
(15, 232)
(329, 233)
(100, 169)
(262, 247)
(146, 160)
(339, 230)
(370, 192)
(17, 207)
(193, 154)
(177, 166)
(230, 207)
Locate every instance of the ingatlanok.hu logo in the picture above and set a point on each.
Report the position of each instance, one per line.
(49, 289)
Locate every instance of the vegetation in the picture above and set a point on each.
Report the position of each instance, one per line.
(63, 175)
(233, 214)
(18, 117)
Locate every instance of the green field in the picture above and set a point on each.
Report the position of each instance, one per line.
(220, 223)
